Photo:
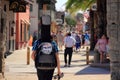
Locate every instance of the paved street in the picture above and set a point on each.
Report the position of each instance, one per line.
(17, 68)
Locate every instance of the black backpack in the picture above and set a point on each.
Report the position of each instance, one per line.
(45, 56)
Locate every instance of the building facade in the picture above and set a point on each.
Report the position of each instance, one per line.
(14, 29)
(10, 39)
(22, 28)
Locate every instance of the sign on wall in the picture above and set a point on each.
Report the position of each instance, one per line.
(59, 21)
(17, 5)
(44, 1)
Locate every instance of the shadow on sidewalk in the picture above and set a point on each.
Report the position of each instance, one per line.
(76, 61)
(73, 66)
(92, 70)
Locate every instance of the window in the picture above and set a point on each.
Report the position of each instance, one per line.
(25, 32)
(12, 31)
(21, 31)
(2, 25)
(5, 8)
(31, 7)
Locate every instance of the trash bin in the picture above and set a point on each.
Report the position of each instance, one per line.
(96, 57)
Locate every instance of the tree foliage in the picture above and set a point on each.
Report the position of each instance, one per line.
(76, 5)
(79, 17)
(70, 21)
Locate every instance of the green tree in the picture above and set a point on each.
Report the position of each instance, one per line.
(76, 5)
(97, 18)
(71, 22)
(79, 17)
(73, 6)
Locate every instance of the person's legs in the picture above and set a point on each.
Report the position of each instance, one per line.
(70, 56)
(60, 45)
(76, 45)
(40, 74)
(101, 57)
(49, 74)
(45, 74)
(65, 57)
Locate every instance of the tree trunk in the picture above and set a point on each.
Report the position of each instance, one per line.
(2, 42)
(101, 15)
(98, 22)
(91, 22)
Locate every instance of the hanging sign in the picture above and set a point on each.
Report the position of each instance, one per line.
(44, 1)
(17, 5)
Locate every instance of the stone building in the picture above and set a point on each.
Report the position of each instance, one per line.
(7, 31)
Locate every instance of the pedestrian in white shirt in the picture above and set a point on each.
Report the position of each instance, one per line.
(69, 42)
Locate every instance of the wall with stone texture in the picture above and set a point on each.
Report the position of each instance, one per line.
(3, 19)
(2, 46)
(113, 31)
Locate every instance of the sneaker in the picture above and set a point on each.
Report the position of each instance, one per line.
(68, 65)
(65, 65)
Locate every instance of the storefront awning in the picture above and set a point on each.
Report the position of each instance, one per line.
(29, 1)
(25, 21)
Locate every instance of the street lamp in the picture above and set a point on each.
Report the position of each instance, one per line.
(94, 7)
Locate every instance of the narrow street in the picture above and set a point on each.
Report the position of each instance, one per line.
(17, 69)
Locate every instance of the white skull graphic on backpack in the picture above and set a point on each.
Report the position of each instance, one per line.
(46, 48)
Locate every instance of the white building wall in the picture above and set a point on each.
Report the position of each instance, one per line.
(34, 18)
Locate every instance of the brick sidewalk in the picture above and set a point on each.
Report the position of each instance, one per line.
(27, 76)
(16, 68)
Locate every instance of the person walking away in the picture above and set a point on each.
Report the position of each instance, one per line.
(54, 36)
(78, 42)
(45, 74)
(60, 39)
(87, 39)
(83, 40)
(34, 39)
(69, 42)
(73, 34)
(101, 43)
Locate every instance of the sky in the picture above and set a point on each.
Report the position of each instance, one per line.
(60, 5)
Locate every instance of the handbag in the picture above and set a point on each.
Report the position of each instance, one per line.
(96, 47)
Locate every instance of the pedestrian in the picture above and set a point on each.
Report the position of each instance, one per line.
(83, 39)
(73, 34)
(34, 39)
(78, 42)
(45, 74)
(87, 38)
(101, 44)
(69, 42)
(60, 38)
(54, 36)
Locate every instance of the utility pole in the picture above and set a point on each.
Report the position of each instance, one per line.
(45, 18)
(43, 26)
